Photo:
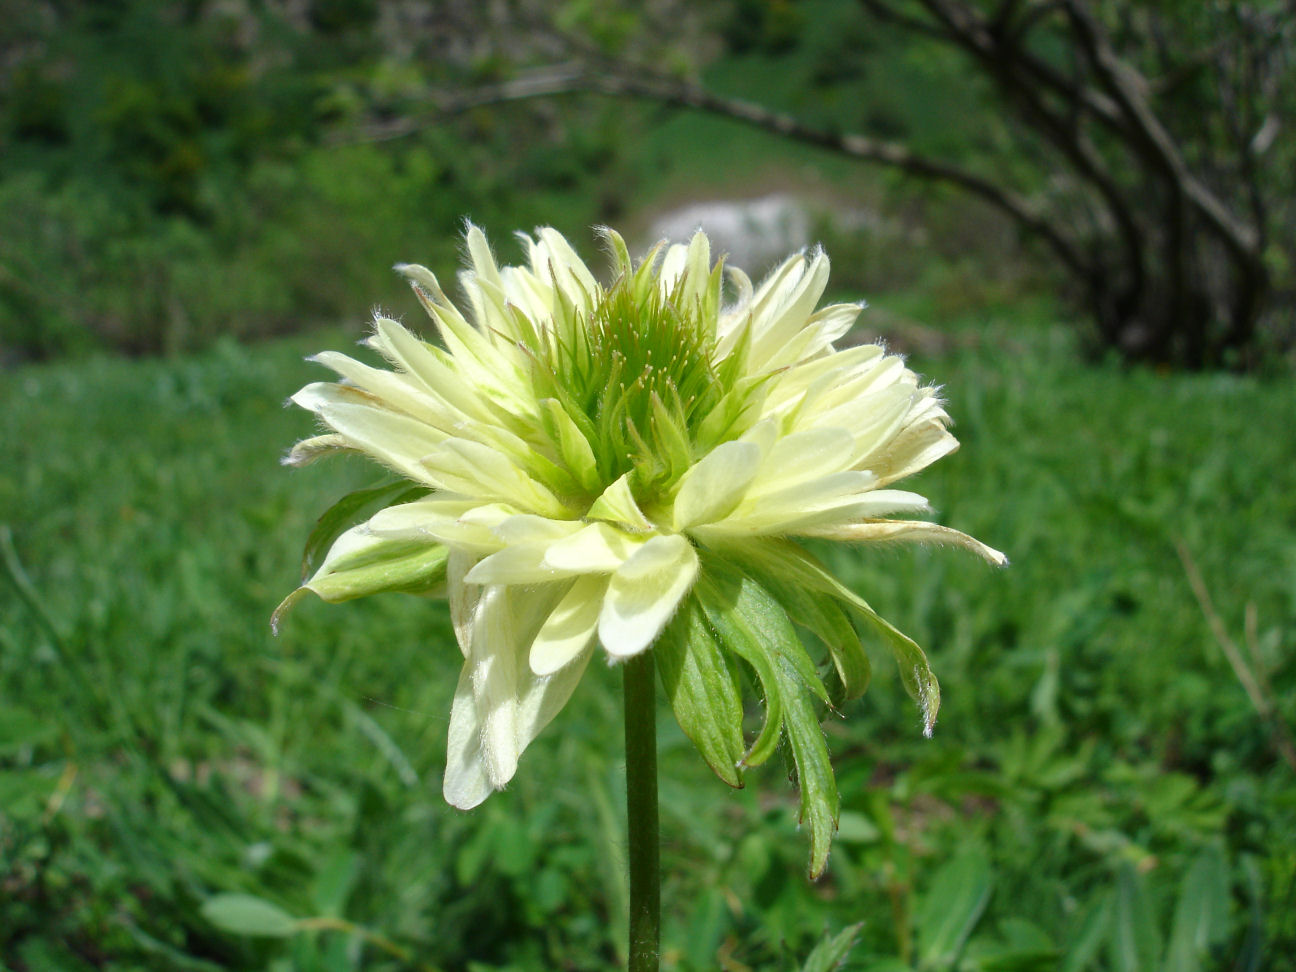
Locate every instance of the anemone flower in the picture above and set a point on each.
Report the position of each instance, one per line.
(633, 466)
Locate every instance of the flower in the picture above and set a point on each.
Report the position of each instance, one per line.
(631, 466)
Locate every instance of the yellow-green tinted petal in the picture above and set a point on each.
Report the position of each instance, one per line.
(571, 628)
(715, 485)
(617, 505)
(913, 531)
(597, 548)
(644, 593)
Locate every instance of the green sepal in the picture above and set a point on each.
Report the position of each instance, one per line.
(753, 625)
(702, 684)
(785, 559)
(573, 448)
(353, 508)
(360, 564)
(670, 437)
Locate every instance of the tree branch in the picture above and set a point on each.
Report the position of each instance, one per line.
(574, 79)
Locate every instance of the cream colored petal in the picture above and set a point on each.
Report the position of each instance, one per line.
(617, 505)
(500, 705)
(462, 597)
(479, 252)
(672, 267)
(788, 386)
(394, 439)
(801, 457)
(450, 377)
(913, 450)
(715, 485)
(474, 469)
(307, 451)
(396, 391)
(456, 521)
(518, 564)
(839, 498)
(915, 531)
(529, 528)
(569, 268)
(786, 312)
(571, 628)
(644, 593)
(466, 783)
(596, 548)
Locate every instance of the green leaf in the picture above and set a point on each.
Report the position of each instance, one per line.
(20, 728)
(951, 908)
(819, 613)
(353, 508)
(701, 682)
(1133, 945)
(246, 914)
(752, 625)
(1201, 915)
(334, 882)
(784, 558)
(1087, 934)
(831, 952)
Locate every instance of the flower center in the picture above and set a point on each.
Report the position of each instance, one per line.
(638, 379)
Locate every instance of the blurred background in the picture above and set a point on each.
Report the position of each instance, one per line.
(1076, 216)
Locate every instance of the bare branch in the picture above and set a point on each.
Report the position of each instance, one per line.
(574, 79)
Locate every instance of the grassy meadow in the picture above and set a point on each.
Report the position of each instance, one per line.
(181, 790)
(1111, 786)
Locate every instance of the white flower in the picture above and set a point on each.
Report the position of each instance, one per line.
(582, 454)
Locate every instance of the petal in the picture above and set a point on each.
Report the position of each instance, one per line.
(473, 469)
(394, 439)
(500, 705)
(597, 548)
(714, 486)
(875, 531)
(571, 628)
(617, 505)
(466, 784)
(644, 593)
(454, 520)
(801, 457)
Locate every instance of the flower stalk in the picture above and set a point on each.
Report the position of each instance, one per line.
(643, 847)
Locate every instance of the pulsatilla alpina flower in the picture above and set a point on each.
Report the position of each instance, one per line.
(631, 466)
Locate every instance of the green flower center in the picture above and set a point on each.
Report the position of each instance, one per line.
(639, 379)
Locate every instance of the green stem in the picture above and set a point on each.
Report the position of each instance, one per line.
(643, 848)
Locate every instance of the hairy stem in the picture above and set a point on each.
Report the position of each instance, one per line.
(643, 849)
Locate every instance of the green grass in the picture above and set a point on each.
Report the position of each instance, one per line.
(1096, 758)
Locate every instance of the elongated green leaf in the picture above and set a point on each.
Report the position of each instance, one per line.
(831, 952)
(799, 567)
(751, 624)
(702, 684)
(736, 634)
(1134, 945)
(351, 509)
(1088, 933)
(951, 908)
(1201, 914)
(246, 914)
(820, 614)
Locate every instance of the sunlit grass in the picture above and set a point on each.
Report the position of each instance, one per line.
(158, 746)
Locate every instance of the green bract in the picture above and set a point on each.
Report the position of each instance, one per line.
(631, 465)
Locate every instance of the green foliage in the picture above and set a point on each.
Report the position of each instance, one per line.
(161, 756)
